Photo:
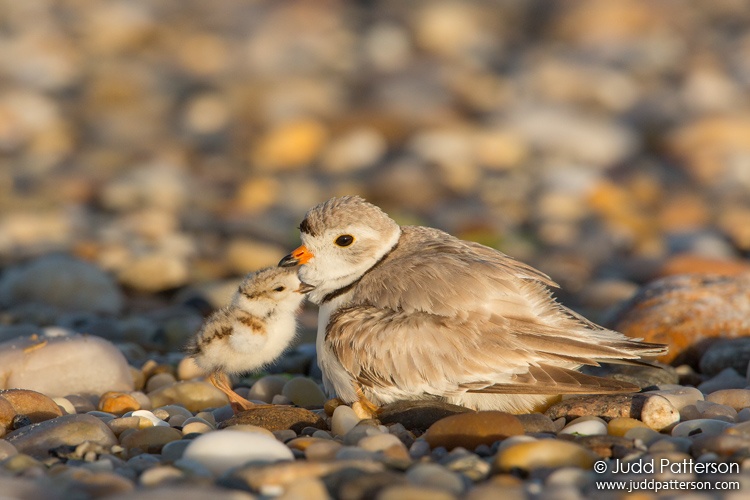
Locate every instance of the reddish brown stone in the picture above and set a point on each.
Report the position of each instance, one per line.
(688, 312)
(34, 405)
(697, 264)
(469, 430)
(118, 403)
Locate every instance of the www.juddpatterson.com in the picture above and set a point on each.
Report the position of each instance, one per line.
(665, 466)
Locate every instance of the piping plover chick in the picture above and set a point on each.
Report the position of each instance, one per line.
(414, 313)
(252, 331)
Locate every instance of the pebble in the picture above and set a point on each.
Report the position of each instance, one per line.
(64, 282)
(726, 353)
(34, 363)
(222, 450)
(716, 411)
(544, 453)
(680, 397)
(361, 431)
(192, 492)
(37, 407)
(37, 439)
(702, 426)
(188, 369)
(150, 439)
(7, 450)
(160, 474)
(174, 450)
(117, 403)
(303, 392)
(435, 476)
(586, 426)
(538, 422)
(738, 399)
(266, 388)
(343, 420)
(65, 405)
(417, 415)
(380, 442)
(150, 417)
(655, 411)
(322, 450)
(725, 379)
(470, 430)
(159, 380)
(308, 488)
(619, 426)
(194, 395)
(196, 428)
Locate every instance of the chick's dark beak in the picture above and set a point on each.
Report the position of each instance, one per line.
(305, 288)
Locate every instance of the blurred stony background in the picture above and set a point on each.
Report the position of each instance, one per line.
(177, 144)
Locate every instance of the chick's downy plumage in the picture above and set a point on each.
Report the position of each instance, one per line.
(252, 331)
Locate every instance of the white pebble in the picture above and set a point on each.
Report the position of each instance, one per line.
(586, 426)
(66, 405)
(344, 419)
(222, 450)
(156, 421)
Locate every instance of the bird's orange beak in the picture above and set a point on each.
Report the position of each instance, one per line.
(298, 257)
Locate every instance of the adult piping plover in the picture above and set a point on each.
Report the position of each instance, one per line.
(252, 331)
(413, 312)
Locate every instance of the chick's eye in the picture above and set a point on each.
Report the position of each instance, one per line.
(344, 240)
(279, 289)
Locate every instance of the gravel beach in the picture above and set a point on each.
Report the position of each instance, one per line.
(154, 153)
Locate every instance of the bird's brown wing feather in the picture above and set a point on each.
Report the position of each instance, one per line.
(430, 354)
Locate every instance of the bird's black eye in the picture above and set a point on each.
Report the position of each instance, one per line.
(279, 289)
(345, 240)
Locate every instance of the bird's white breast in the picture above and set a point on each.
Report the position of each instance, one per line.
(335, 379)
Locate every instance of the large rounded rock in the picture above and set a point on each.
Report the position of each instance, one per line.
(37, 439)
(223, 450)
(66, 364)
(63, 282)
(469, 430)
(687, 312)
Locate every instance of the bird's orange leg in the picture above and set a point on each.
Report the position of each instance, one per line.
(238, 403)
(363, 407)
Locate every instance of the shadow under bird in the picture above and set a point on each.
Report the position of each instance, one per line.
(252, 331)
(414, 313)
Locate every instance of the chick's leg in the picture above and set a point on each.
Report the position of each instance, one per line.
(238, 403)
